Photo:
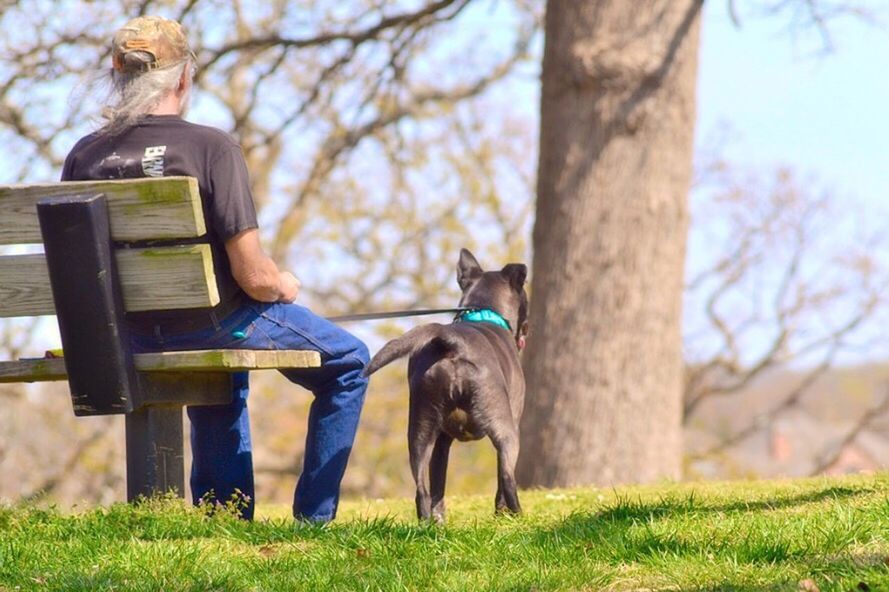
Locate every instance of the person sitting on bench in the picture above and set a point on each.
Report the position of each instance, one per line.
(146, 136)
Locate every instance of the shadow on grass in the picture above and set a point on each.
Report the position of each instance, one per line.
(627, 509)
(835, 493)
(634, 530)
(630, 540)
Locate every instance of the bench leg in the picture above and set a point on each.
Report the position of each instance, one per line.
(154, 451)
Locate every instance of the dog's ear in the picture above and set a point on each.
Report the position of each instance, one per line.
(516, 273)
(468, 269)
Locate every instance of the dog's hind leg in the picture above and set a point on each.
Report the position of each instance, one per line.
(421, 439)
(506, 441)
(438, 469)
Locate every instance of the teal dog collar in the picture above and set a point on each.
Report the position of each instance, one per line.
(483, 315)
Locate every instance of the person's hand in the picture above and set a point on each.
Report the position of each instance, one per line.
(289, 287)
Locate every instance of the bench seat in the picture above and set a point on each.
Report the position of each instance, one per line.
(212, 360)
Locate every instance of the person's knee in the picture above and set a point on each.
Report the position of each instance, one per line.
(360, 356)
(361, 352)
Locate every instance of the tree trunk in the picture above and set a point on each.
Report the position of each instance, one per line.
(604, 355)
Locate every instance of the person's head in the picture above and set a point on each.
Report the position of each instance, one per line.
(151, 64)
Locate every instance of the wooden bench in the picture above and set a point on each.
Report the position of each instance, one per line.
(91, 274)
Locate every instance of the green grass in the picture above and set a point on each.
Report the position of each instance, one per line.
(828, 534)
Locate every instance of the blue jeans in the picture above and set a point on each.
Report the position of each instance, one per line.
(222, 466)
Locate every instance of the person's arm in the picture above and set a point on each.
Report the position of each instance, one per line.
(255, 271)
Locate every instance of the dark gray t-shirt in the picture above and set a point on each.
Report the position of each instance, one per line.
(164, 146)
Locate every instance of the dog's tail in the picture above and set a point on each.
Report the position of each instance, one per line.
(405, 345)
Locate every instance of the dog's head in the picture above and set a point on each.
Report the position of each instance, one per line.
(501, 291)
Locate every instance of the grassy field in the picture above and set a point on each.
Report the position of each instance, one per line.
(818, 534)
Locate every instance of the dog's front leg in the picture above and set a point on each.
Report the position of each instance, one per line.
(438, 469)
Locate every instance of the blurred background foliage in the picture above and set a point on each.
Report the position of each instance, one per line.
(381, 137)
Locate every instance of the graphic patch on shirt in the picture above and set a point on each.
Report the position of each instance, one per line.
(113, 166)
(153, 161)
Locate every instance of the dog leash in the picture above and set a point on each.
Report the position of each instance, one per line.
(395, 314)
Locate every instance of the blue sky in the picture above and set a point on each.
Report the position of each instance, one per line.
(786, 104)
(780, 100)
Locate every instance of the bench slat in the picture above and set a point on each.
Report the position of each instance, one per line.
(159, 278)
(140, 209)
(229, 360)
(33, 370)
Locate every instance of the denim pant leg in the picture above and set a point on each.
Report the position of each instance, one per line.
(222, 455)
(339, 390)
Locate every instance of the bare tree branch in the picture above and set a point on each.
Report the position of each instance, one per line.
(805, 16)
(828, 458)
(355, 38)
(760, 420)
(341, 140)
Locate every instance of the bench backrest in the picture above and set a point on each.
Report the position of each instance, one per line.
(92, 272)
(156, 278)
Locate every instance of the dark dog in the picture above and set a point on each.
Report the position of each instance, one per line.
(466, 381)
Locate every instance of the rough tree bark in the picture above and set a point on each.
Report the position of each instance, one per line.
(604, 360)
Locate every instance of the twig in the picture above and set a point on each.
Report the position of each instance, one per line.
(830, 457)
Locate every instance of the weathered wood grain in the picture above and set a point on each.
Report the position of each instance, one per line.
(167, 278)
(186, 388)
(228, 360)
(151, 279)
(140, 209)
(33, 370)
